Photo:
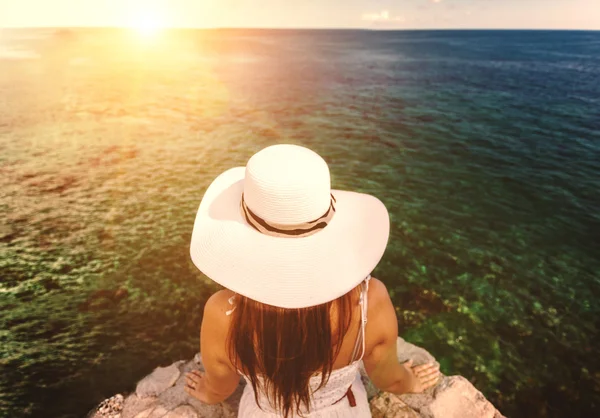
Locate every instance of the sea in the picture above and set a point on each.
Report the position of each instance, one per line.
(483, 145)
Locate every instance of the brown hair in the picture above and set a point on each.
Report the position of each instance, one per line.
(286, 347)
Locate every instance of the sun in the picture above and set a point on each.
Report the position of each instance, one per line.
(147, 25)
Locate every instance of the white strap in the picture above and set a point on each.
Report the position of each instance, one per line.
(363, 312)
(363, 321)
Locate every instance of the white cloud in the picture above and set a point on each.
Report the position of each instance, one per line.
(383, 16)
(436, 1)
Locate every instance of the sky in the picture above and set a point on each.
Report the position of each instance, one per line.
(376, 14)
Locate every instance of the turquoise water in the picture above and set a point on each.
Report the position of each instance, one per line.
(484, 146)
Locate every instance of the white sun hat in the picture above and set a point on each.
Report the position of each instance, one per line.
(275, 232)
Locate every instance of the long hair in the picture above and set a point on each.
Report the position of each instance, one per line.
(279, 349)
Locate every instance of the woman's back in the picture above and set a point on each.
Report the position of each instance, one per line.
(328, 399)
(379, 358)
(334, 398)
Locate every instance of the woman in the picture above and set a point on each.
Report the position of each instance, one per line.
(295, 258)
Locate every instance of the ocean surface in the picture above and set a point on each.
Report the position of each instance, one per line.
(484, 146)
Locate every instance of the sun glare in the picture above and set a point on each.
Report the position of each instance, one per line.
(147, 25)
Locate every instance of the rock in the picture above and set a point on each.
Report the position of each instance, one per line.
(407, 351)
(198, 359)
(144, 414)
(184, 411)
(157, 382)
(135, 405)
(420, 401)
(175, 395)
(110, 407)
(158, 412)
(205, 410)
(162, 395)
(188, 366)
(391, 406)
(453, 397)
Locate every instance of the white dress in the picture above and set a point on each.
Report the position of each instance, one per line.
(333, 400)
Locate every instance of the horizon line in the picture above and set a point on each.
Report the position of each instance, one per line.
(358, 28)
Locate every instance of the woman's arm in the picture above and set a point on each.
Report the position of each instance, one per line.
(220, 378)
(381, 361)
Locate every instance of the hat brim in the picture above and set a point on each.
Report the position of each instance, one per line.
(287, 272)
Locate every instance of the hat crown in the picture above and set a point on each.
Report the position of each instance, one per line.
(287, 184)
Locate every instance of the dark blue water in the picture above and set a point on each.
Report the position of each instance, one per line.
(484, 146)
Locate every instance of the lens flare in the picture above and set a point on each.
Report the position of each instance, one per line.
(147, 25)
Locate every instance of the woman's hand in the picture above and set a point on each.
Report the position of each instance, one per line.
(423, 376)
(194, 386)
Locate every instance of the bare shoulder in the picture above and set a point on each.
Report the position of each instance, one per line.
(382, 325)
(215, 329)
(218, 304)
(378, 294)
